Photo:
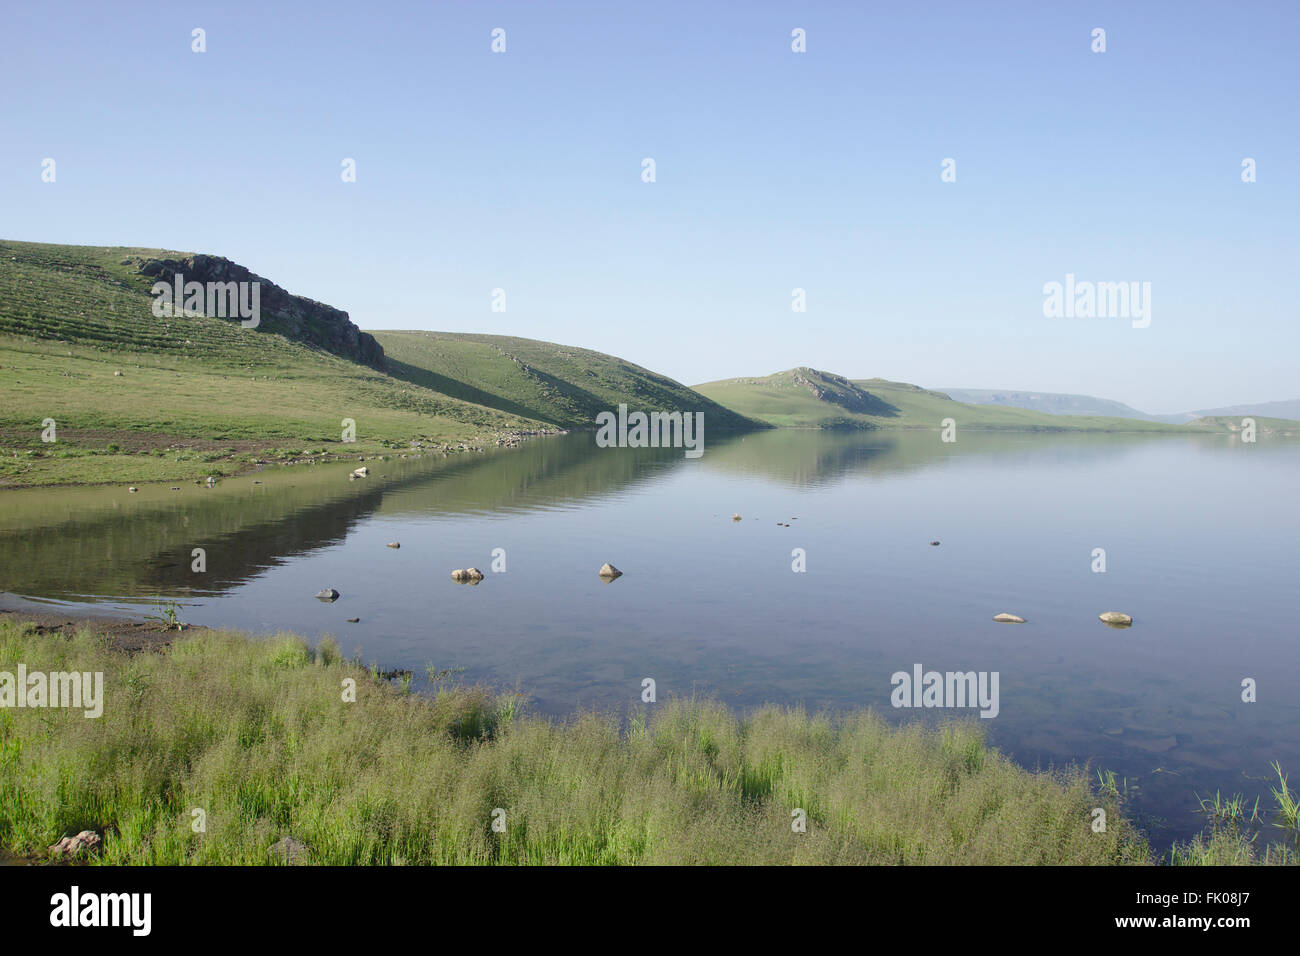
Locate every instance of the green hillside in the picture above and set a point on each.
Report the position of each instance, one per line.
(560, 384)
(139, 398)
(1264, 427)
(808, 398)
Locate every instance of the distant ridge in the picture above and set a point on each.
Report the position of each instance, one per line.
(809, 398)
(1055, 403)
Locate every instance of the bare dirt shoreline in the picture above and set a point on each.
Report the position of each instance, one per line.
(130, 635)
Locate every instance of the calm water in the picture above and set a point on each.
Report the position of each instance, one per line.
(1200, 535)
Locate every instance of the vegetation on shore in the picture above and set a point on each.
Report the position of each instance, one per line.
(256, 735)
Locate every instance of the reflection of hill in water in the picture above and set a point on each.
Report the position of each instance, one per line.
(105, 541)
(810, 457)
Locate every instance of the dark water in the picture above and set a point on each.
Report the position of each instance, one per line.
(1200, 537)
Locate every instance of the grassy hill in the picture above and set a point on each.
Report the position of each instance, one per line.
(808, 398)
(138, 398)
(560, 384)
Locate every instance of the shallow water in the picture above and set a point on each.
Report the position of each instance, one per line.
(1200, 536)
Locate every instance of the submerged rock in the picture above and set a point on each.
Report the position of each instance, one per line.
(1005, 618)
(329, 594)
(467, 575)
(1115, 619)
(608, 570)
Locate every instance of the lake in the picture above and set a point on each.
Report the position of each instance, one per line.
(1199, 533)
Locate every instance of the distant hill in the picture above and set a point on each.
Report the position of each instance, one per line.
(808, 398)
(1052, 403)
(560, 384)
(1288, 409)
(801, 397)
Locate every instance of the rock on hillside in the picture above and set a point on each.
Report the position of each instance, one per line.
(293, 316)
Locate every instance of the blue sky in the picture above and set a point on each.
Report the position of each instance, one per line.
(775, 171)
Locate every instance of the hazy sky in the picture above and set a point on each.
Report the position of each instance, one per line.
(775, 170)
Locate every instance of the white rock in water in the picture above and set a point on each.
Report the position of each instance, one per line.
(1005, 618)
(329, 594)
(1115, 619)
(608, 570)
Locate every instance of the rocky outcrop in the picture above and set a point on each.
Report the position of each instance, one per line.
(293, 316)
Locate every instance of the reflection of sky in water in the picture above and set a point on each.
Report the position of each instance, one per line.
(1200, 538)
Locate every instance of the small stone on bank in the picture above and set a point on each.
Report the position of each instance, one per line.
(84, 843)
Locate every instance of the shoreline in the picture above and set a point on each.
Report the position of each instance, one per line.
(499, 441)
(379, 774)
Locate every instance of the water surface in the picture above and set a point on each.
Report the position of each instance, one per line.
(1200, 537)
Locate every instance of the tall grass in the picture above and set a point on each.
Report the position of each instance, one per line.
(255, 734)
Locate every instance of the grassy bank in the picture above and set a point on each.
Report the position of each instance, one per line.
(255, 733)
